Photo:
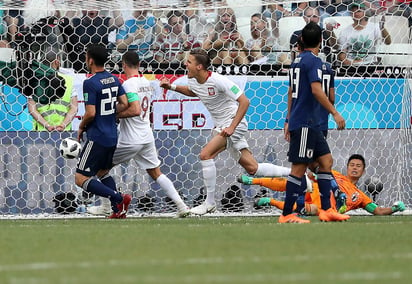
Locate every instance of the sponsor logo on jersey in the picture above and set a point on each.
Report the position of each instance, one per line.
(211, 91)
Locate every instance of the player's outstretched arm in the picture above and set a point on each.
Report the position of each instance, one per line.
(165, 84)
(398, 206)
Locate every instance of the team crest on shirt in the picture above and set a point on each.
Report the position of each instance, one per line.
(211, 91)
(355, 197)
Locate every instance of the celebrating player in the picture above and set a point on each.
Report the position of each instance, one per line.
(136, 140)
(347, 184)
(227, 105)
(101, 92)
(307, 142)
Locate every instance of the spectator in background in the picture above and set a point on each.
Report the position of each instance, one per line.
(57, 115)
(139, 34)
(398, 8)
(263, 47)
(13, 20)
(328, 36)
(224, 43)
(276, 11)
(91, 28)
(173, 43)
(200, 19)
(37, 9)
(359, 40)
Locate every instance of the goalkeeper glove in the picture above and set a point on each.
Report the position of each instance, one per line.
(398, 206)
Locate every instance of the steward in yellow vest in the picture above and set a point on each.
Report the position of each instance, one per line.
(55, 112)
(54, 107)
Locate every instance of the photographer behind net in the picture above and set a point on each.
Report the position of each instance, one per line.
(53, 103)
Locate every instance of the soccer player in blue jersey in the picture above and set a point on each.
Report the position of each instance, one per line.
(307, 142)
(104, 96)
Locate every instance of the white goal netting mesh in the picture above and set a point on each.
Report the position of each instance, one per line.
(373, 92)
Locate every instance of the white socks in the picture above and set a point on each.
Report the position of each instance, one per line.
(167, 185)
(209, 179)
(270, 170)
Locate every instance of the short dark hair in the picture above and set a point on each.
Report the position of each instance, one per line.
(356, 6)
(131, 59)
(201, 57)
(357, 157)
(98, 53)
(260, 16)
(311, 35)
(174, 13)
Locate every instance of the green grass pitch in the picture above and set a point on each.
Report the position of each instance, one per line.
(366, 249)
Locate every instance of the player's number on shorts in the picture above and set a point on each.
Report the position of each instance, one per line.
(108, 105)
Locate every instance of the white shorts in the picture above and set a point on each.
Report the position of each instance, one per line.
(236, 141)
(145, 155)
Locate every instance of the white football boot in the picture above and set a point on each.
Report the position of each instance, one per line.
(203, 209)
(104, 209)
(182, 211)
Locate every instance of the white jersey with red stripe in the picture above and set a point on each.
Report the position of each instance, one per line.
(137, 129)
(219, 95)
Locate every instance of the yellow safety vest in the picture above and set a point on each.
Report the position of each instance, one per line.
(55, 112)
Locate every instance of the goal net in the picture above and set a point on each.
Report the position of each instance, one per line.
(373, 93)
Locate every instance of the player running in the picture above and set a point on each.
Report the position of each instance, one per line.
(227, 105)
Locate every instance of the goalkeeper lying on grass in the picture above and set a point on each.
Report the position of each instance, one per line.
(347, 197)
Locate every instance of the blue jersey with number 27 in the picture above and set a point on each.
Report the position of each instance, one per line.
(102, 90)
(305, 109)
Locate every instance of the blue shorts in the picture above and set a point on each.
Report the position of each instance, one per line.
(94, 157)
(306, 145)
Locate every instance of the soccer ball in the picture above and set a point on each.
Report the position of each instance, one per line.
(70, 148)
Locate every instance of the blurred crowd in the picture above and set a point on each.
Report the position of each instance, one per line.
(165, 36)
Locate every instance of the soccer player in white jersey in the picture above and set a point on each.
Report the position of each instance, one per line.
(136, 140)
(227, 105)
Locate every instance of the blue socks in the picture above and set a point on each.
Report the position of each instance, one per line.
(300, 202)
(293, 191)
(325, 181)
(108, 181)
(98, 188)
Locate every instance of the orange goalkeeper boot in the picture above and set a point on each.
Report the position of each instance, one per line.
(331, 215)
(292, 218)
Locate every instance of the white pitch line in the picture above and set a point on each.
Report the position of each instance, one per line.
(190, 261)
